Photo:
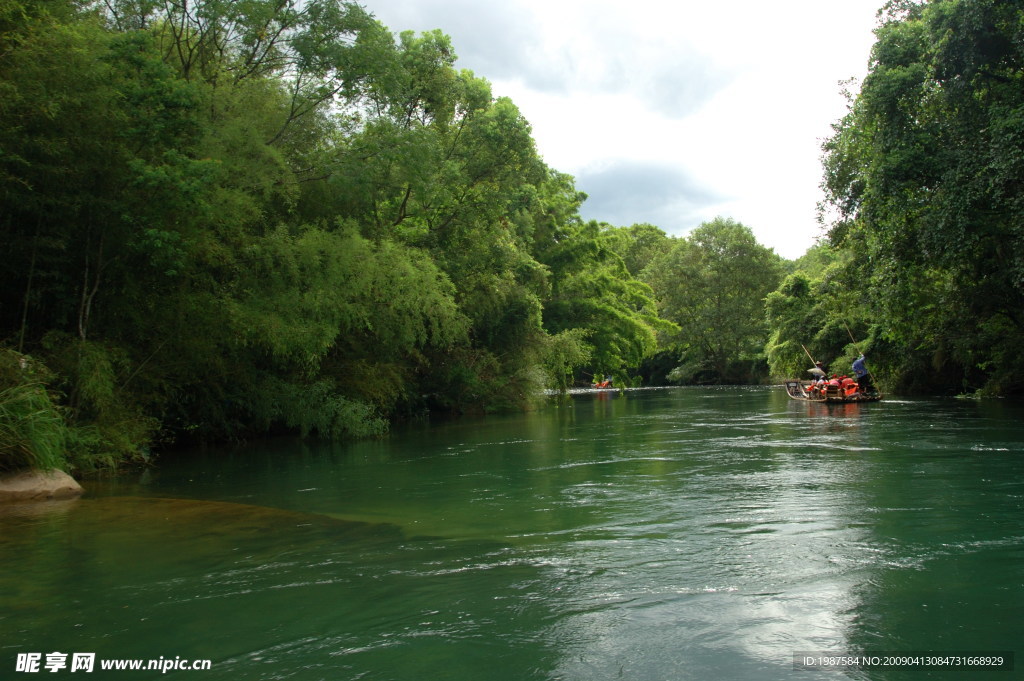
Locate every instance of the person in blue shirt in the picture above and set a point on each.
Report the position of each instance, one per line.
(863, 376)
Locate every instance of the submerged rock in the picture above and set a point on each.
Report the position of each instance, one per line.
(37, 485)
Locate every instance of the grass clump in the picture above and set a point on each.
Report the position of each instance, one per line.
(33, 430)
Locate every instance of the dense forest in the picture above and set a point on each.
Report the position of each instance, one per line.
(228, 219)
(924, 182)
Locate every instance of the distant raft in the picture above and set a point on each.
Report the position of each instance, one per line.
(837, 390)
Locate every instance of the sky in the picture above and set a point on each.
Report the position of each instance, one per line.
(670, 112)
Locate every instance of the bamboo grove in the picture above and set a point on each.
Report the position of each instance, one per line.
(225, 219)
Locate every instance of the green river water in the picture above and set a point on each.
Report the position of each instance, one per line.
(663, 534)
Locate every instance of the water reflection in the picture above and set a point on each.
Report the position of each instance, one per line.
(945, 509)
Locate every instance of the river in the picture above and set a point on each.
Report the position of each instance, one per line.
(661, 534)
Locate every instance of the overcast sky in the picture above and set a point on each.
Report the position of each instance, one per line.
(670, 113)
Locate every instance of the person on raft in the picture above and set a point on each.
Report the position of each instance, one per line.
(861, 371)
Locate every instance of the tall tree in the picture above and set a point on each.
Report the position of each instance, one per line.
(713, 284)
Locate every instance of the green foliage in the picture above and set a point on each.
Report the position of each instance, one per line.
(107, 424)
(42, 427)
(822, 310)
(33, 432)
(588, 287)
(564, 353)
(225, 219)
(713, 285)
(315, 407)
(923, 174)
(639, 245)
(815, 261)
(794, 318)
(591, 290)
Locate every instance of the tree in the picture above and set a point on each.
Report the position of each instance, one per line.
(713, 286)
(638, 245)
(591, 292)
(819, 307)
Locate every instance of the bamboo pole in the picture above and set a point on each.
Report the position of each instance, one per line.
(809, 355)
(824, 375)
(855, 346)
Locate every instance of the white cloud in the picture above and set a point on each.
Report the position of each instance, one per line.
(670, 113)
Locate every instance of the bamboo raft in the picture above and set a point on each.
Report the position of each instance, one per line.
(834, 391)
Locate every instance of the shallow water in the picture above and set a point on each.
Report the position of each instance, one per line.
(654, 534)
